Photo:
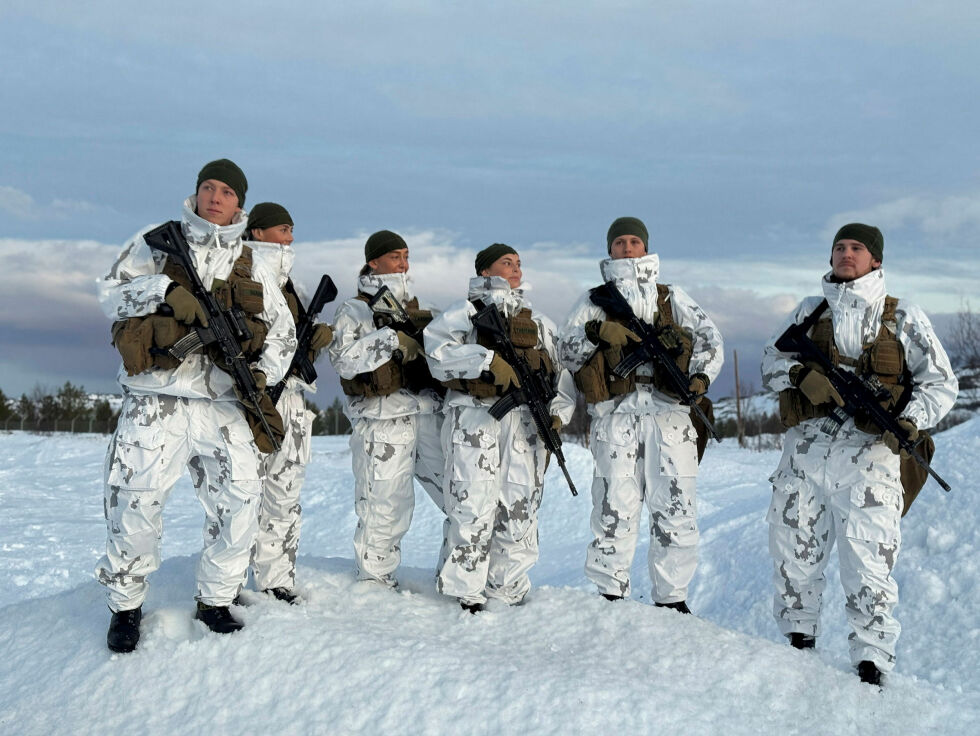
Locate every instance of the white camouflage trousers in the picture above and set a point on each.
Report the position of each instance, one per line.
(386, 454)
(493, 488)
(156, 439)
(651, 458)
(282, 472)
(845, 488)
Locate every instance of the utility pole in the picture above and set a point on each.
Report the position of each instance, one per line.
(738, 405)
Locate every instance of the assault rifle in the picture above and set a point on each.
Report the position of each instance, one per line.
(535, 390)
(650, 349)
(226, 328)
(862, 395)
(390, 313)
(302, 366)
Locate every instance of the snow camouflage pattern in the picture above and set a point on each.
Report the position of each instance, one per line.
(494, 472)
(845, 486)
(157, 438)
(188, 416)
(394, 437)
(282, 472)
(644, 445)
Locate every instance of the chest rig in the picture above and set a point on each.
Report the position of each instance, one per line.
(143, 341)
(393, 376)
(883, 358)
(595, 379)
(523, 333)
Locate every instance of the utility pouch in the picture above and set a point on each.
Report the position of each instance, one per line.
(133, 339)
(914, 476)
(248, 295)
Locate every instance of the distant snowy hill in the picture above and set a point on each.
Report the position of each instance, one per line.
(356, 659)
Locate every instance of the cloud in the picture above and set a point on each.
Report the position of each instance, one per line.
(23, 206)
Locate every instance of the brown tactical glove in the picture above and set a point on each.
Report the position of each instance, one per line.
(186, 308)
(817, 388)
(503, 374)
(556, 423)
(408, 346)
(322, 336)
(891, 440)
(260, 379)
(699, 384)
(615, 334)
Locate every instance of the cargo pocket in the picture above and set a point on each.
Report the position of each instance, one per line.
(784, 508)
(387, 449)
(474, 446)
(614, 447)
(136, 462)
(876, 507)
(678, 444)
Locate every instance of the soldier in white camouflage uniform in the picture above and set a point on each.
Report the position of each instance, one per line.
(494, 469)
(274, 555)
(394, 407)
(642, 438)
(837, 482)
(185, 415)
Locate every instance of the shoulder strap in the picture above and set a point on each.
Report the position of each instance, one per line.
(664, 310)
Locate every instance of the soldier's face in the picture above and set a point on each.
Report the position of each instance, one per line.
(395, 261)
(851, 260)
(281, 234)
(507, 266)
(627, 246)
(217, 202)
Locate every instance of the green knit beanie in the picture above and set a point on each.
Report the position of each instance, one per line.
(268, 214)
(627, 226)
(227, 172)
(489, 255)
(869, 236)
(381, 242)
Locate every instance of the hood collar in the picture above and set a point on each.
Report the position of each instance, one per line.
(497, 290)
(400, 284)
(642, 270)
(855, 294)
(198, 231)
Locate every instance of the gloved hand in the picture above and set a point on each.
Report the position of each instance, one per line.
(322, 335)
(186, 308)
(408, 346)
(891, 440)
(556, 423)
(260, 379)
(698, 385)
(616, 334)
(503, 374)
(817, 388)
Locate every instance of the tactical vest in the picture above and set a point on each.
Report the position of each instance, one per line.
(883, 357)
(523, 333)
(142, 340)
(595, 379)
(393, 376)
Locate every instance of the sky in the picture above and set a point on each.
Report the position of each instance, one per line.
(744, 135)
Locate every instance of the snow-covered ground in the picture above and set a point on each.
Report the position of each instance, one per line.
(357, 659)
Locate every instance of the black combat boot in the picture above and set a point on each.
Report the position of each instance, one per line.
(611, 596)
(124, 630)
(869, 673)
(472, 607)
(677, 606)
(802, 641)
(218, 618)
(282, 594)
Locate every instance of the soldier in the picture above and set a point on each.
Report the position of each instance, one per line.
(176, 414)
(394, 406)
(494, 469)
(282, 472)
(842, 481)
(642, 438)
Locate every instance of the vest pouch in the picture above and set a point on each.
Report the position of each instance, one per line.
(913, 475)
(248, 295)
(166, 331)
(887, 358)
(590, 379)
(222, 293)
(795, 408)
(133, 339)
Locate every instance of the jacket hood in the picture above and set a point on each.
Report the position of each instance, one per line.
(197, 230)
(857, 294)
(400, 284)
(277, 258)
(497, 290)
(642, 271)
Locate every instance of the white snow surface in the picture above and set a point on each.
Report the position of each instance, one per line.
(354, 658)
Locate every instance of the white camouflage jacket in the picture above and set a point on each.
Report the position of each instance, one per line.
(135, 287)
(636, 279)
(278, 259)
(452, 350)
(856, 308)
(359, 347)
